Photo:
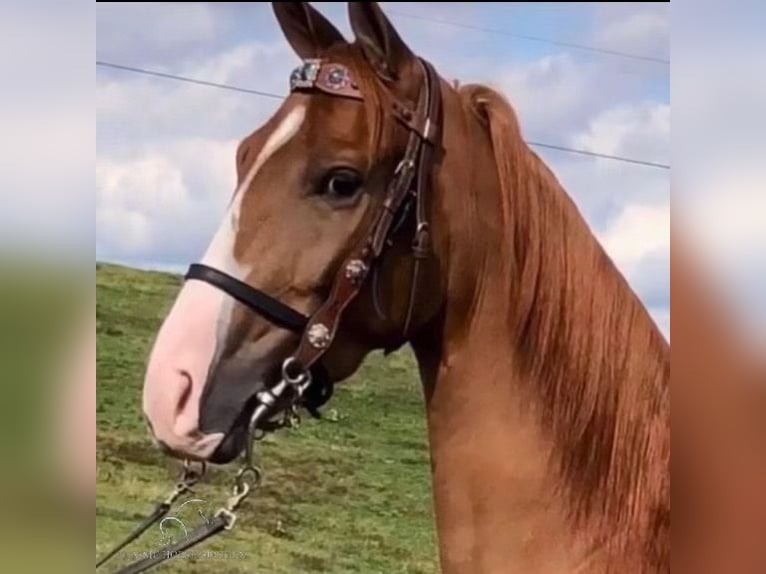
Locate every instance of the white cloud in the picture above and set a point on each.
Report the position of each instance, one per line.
(639, 131)
(603, 188)
(128, 231)
(629, 206)
(163, 205)
(550, 93)
(558, 95)
(166, 151)
(638, 231)
(134, 111)
(638, 241)
(247, 64)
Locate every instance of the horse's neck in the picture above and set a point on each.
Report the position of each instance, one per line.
(496, 501)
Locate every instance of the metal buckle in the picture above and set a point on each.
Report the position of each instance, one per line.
(293, 372)
(229, 516)
(404, 163)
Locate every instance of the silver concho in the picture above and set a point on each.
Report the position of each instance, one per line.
(337, 78)
(319, 336)
(305, 75)
(356, 270)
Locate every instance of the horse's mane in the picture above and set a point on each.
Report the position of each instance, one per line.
(598, 365)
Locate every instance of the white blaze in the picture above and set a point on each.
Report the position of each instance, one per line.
(220, 253)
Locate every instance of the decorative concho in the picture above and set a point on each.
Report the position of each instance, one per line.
(319, 336)
(305, 75)
(356, 270)
(337, 78)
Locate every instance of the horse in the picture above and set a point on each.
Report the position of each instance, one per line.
(546, 382)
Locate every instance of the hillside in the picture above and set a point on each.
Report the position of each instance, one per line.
(348, 493)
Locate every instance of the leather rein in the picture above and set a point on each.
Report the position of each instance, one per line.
(410, 184)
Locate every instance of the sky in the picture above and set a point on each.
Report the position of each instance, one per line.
(165, 149)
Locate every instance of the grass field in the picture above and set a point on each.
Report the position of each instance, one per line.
(348, 493)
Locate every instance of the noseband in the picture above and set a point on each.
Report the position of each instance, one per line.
(409, 184)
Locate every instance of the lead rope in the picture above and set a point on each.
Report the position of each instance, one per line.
(189, 477)
(248, 478)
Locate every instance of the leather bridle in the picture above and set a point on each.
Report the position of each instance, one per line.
(410, 184)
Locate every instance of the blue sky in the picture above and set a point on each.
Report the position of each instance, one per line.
(165, 149)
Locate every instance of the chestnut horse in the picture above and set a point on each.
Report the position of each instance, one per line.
(546, 381)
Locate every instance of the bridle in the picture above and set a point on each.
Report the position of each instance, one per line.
(409, 185)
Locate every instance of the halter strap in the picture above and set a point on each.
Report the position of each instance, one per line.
(421, 243)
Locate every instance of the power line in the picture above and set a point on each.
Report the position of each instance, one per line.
(272, 95)
(530, 38)
(600, 155)
(189, 80)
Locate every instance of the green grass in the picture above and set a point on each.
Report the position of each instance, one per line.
(348, 493)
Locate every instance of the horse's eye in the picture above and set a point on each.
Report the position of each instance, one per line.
(341, 183)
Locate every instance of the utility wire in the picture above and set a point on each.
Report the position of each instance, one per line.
(498, 32)
(600, 155)
(188, 80)
(272, 95)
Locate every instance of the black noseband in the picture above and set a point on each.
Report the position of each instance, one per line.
(269, 308)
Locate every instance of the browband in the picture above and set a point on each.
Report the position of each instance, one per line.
(328, 77)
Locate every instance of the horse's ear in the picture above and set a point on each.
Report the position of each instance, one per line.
(381, 43)
(308, 32)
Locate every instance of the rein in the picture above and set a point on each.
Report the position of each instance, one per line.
(248, 479)
(409, 185)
